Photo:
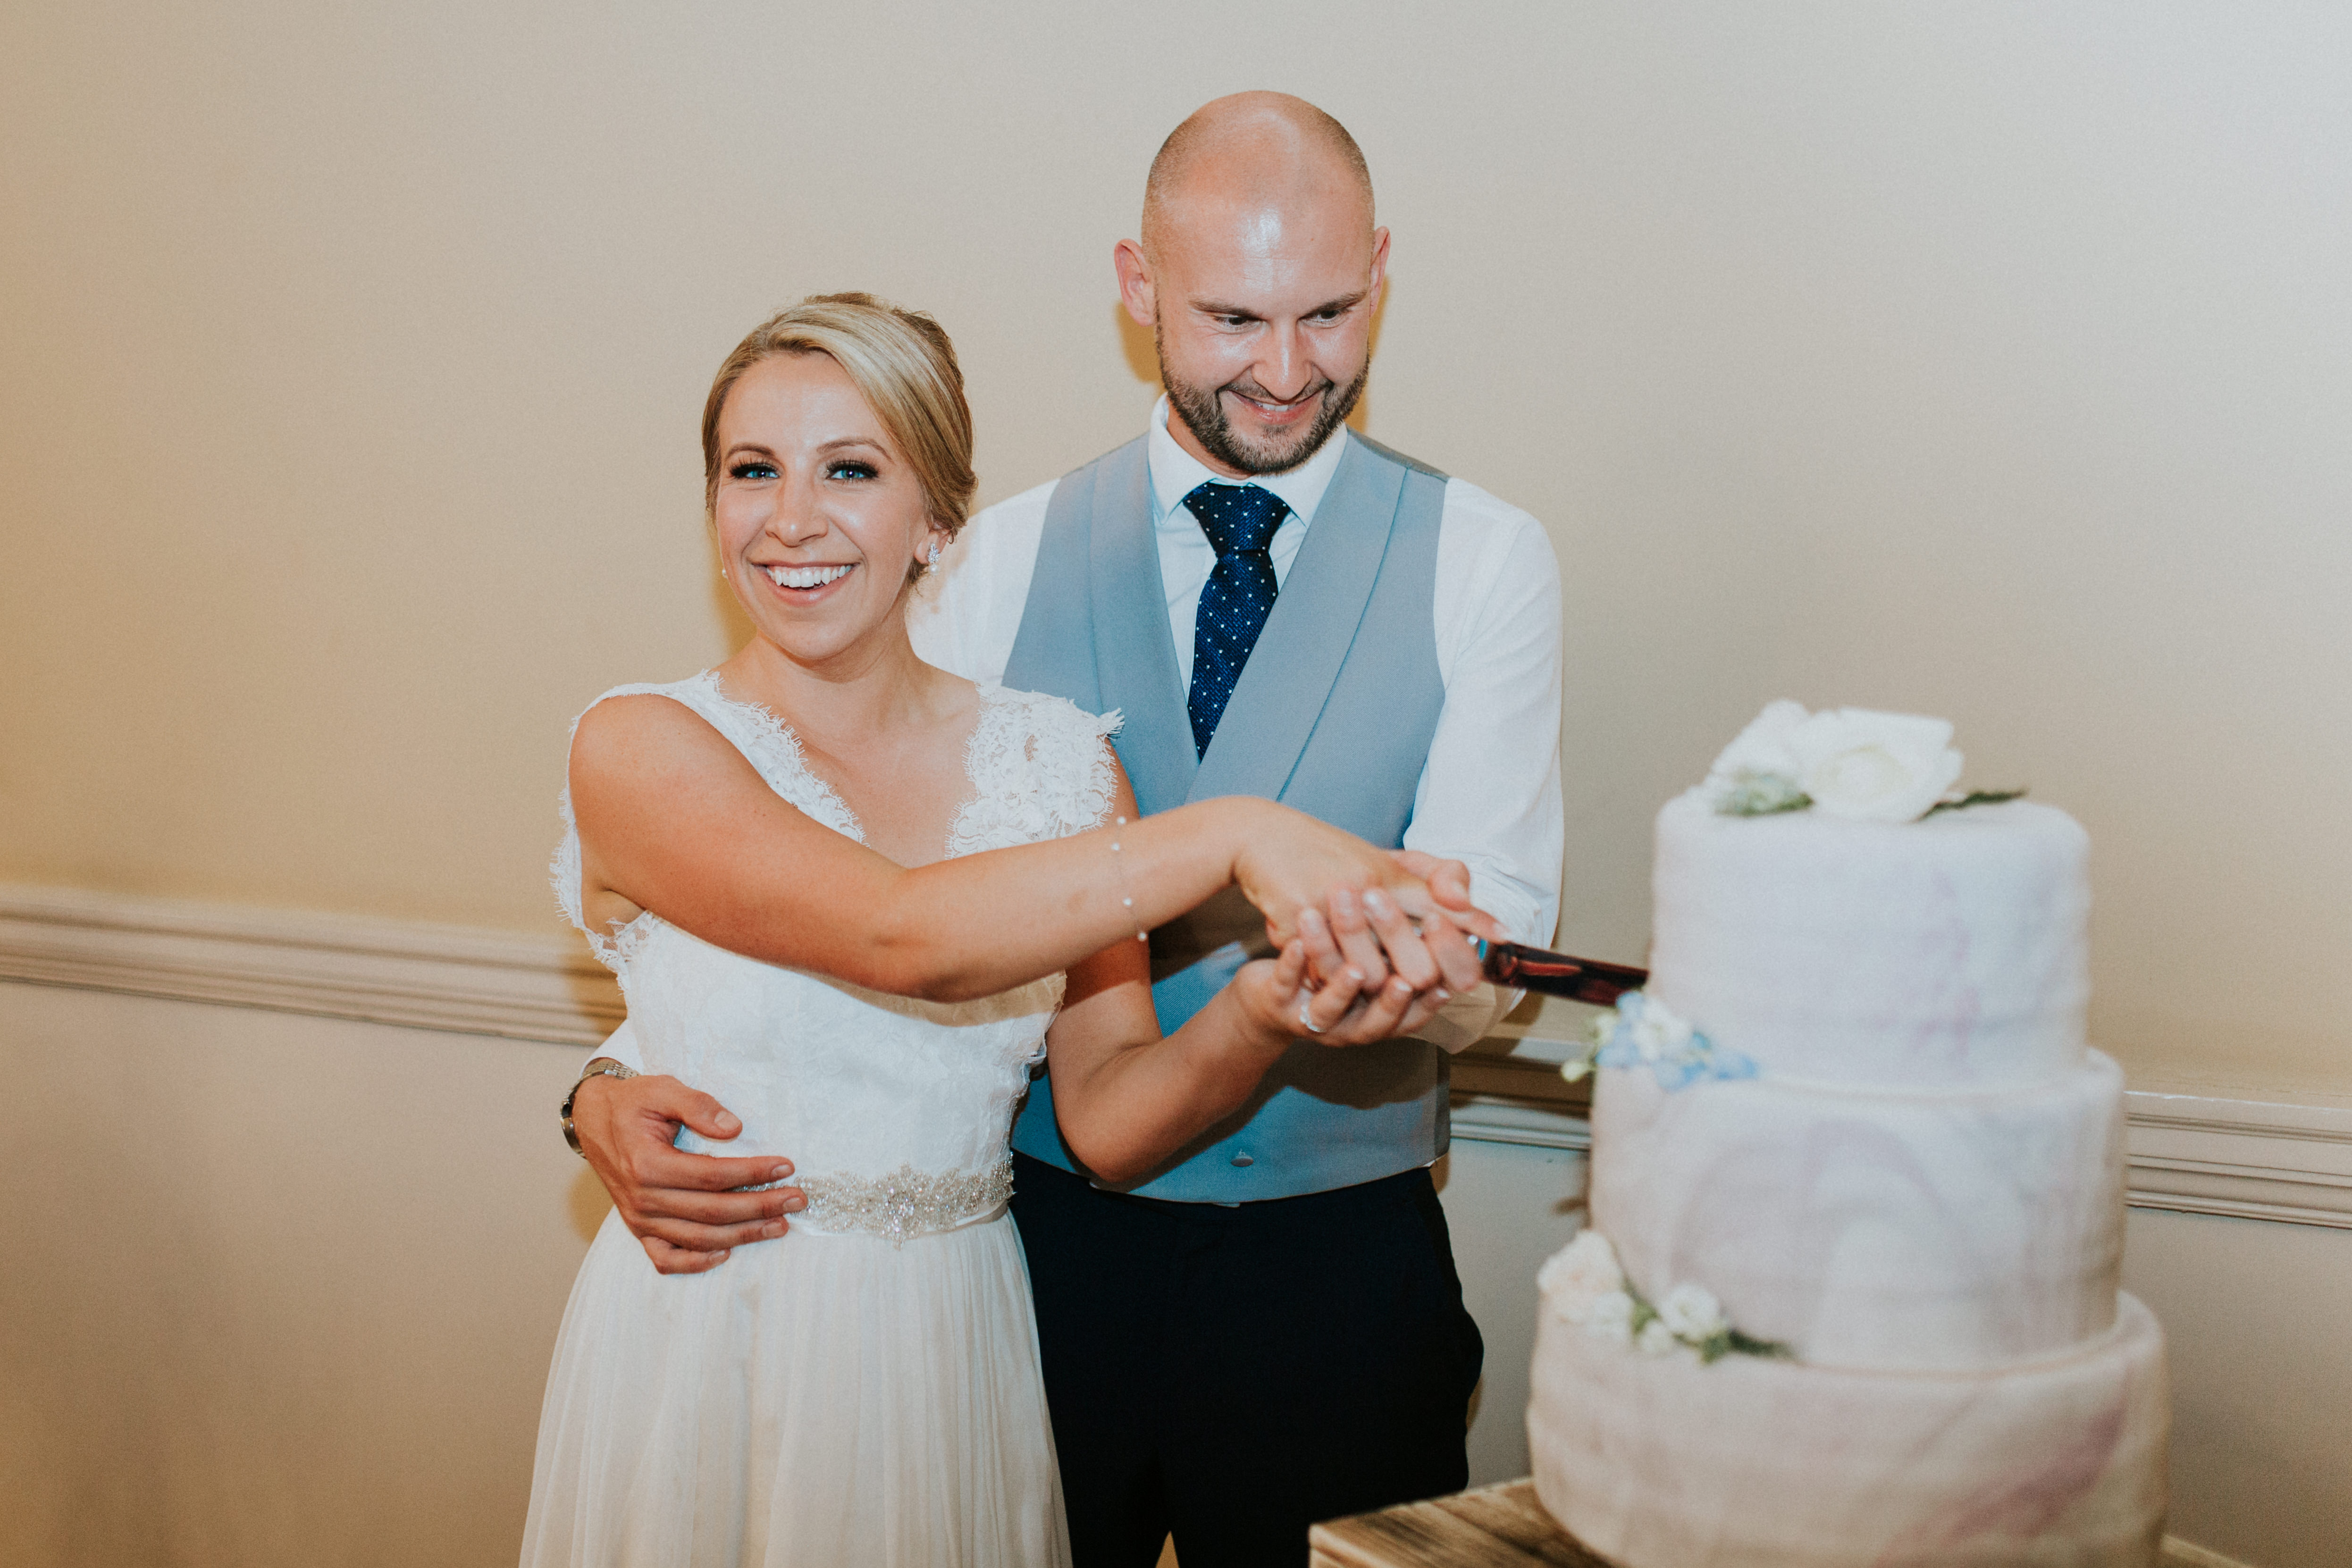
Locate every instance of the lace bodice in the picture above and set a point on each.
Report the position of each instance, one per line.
(895, 1112)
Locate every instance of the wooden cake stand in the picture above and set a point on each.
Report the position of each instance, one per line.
(1494, 1527)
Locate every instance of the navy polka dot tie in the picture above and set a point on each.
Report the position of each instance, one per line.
(1240, 520)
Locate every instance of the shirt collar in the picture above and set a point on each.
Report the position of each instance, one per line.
(1176, 472)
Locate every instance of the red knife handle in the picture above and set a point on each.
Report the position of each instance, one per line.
(1557, 975)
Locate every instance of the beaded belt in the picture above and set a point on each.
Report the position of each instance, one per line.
(906, 1202)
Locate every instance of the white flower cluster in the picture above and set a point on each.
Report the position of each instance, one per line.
(1585, 1285)
(1843, 762)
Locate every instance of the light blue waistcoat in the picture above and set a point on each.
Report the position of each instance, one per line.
(1333, 715)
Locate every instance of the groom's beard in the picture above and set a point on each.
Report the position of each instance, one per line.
(1202, 410)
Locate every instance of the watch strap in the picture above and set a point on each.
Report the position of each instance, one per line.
(601, 1067)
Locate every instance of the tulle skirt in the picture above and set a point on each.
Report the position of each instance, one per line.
(815, 1400)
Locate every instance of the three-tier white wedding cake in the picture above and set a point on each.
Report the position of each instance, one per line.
(1847, 1293)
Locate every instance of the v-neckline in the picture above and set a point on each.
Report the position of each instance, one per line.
(767, 720)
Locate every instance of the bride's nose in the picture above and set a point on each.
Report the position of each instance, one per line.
(799, 516)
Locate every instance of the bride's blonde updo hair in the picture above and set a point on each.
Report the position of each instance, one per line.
(899, 360)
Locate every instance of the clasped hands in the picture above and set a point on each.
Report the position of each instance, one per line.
(1360, 968)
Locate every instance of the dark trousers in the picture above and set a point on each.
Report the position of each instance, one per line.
(1235, 1374)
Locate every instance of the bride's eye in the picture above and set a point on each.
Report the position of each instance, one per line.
(753, 468)
(849, 468)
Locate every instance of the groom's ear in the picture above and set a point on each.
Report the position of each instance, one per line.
(1135, 288)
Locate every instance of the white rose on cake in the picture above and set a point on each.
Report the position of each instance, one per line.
(1874, 767)
(1844, 762)
(1611, 1318)
(1692, 1312)
(1657, 1339)
(1757, 774)
(1580, 1275)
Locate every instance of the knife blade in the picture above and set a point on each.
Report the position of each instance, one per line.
(1556, 974)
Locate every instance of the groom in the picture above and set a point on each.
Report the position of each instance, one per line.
(1269, 1330)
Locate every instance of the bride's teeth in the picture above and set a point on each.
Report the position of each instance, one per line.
(805, 576)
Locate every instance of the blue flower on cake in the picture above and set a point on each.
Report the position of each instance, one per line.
(1640, 1031)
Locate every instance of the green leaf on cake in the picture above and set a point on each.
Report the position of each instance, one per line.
(1974, 798)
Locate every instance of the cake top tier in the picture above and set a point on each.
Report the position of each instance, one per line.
(1948, 951)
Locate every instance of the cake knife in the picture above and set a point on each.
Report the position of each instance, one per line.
(1556, 974)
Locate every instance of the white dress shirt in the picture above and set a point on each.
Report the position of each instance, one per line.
(1489, 795)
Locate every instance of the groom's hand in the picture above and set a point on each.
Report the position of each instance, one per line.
(1342, 1011)
(686, 1210)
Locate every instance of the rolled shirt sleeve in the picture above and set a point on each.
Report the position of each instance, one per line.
(1490, 794)
(621, 1045)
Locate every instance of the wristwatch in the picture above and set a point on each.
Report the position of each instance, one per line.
(603, 1067)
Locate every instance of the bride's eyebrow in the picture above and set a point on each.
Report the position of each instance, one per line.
(840, 442)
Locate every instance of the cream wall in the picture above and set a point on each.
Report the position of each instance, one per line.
(1985, 361)
(242, 1325)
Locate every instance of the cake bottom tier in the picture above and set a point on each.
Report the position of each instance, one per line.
(1661, 1462)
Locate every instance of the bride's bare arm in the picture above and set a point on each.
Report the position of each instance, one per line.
(673, 818)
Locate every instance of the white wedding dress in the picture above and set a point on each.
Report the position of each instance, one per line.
(864, 1390)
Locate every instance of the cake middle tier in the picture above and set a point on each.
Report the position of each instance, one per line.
(1872, 1229)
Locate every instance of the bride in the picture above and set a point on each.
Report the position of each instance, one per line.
(857, 899)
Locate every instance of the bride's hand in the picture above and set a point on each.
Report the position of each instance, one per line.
(1293, 864)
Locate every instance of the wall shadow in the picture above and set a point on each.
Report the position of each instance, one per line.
(733, 624)
(1359, 418)
(1135, 344)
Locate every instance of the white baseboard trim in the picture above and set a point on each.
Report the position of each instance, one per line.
(2194, 1149)
(2179, 1553)
(412, 974)
(2202, 1150)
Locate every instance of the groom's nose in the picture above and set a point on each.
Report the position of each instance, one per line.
(1284, 370)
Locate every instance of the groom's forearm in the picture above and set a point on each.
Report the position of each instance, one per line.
(1124, 1108)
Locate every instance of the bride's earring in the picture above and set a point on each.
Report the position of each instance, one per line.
(934, 559)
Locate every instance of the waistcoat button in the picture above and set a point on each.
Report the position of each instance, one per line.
(1243, 1160)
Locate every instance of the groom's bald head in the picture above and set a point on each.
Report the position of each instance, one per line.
(1255, 150)
(1259, 271)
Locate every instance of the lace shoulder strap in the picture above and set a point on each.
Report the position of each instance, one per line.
(770, 746)
(1041, 768)
(772, 749)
